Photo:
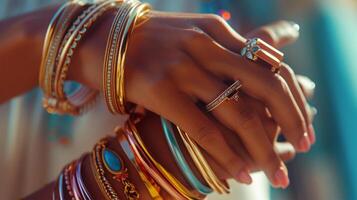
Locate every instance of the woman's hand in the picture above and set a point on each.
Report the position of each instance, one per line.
(175, 60)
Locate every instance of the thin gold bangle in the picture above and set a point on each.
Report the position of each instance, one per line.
(151, 185)
(55, 33)
(111, 53)
(173, 181)
(202, 164)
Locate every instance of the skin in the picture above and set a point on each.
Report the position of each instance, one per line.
(175, 60)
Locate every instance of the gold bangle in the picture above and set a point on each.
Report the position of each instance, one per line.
(54, 36)
(99, 162)
(185, 192)
(151, 185)
(76, 103)
(202, 165)
(110, 58)
(113, 73)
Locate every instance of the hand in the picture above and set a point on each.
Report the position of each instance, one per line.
(171, 64)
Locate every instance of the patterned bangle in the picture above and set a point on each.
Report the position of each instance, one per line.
(137, 143)
(67, 181)
(82, 98)
(149, 182)
(202, 164)
(55, 33)
(180, 159)
(113, 70)
(104, 158)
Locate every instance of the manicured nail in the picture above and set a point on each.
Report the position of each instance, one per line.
(312, 135)
(244, 177)
(313, 110)
(295, 26)
(304, 144)
(282, 178)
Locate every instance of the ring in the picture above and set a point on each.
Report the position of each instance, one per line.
(256, 49)
(230, 93)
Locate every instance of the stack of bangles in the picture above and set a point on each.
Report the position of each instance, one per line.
(66, 30)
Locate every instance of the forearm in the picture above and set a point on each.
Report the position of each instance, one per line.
(21, 41)
(20, 52)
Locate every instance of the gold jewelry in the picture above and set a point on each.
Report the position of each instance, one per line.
(186, 193)
(202, 164)
(54, 36)
(119, 36)
(230, 93)
(101, 158)
(256, 49)
(151, 185)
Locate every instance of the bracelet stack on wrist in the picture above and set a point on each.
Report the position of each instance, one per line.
(67, 28)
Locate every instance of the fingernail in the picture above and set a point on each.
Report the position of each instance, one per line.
(282, 178)
(312, 135)
(244, 177)
(295, 26)
(304, 144)
(313, 110)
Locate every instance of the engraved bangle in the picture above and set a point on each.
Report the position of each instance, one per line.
(180, 159)
(75, 104)
(111, 54)
(120, 174)
(55, 33)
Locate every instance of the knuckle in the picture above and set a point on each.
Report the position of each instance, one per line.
(215, 18)
(270, 160)
(206, 135)
(299, 124)
(287, 70)
(278, 86)
(196, 36)
(247, 119)
(233, 163)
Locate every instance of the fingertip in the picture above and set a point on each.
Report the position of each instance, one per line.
(244, 177)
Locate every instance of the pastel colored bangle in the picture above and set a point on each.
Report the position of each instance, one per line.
(180, 159)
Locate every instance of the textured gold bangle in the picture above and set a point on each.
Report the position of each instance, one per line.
(110, 58)
(202, 164)
(82, 98)
(169, 177)
(113, 70)
(100, 161)
(54, 36)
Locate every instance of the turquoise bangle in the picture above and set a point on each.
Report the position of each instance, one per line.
(180, 159)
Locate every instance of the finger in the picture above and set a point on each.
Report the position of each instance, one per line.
(278, 34)
(271, 127)
(245, 122)
(307, 86)
(288, 74)
(257, 82)
(179, 109)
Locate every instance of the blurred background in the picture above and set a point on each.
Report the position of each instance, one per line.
(326, 52)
